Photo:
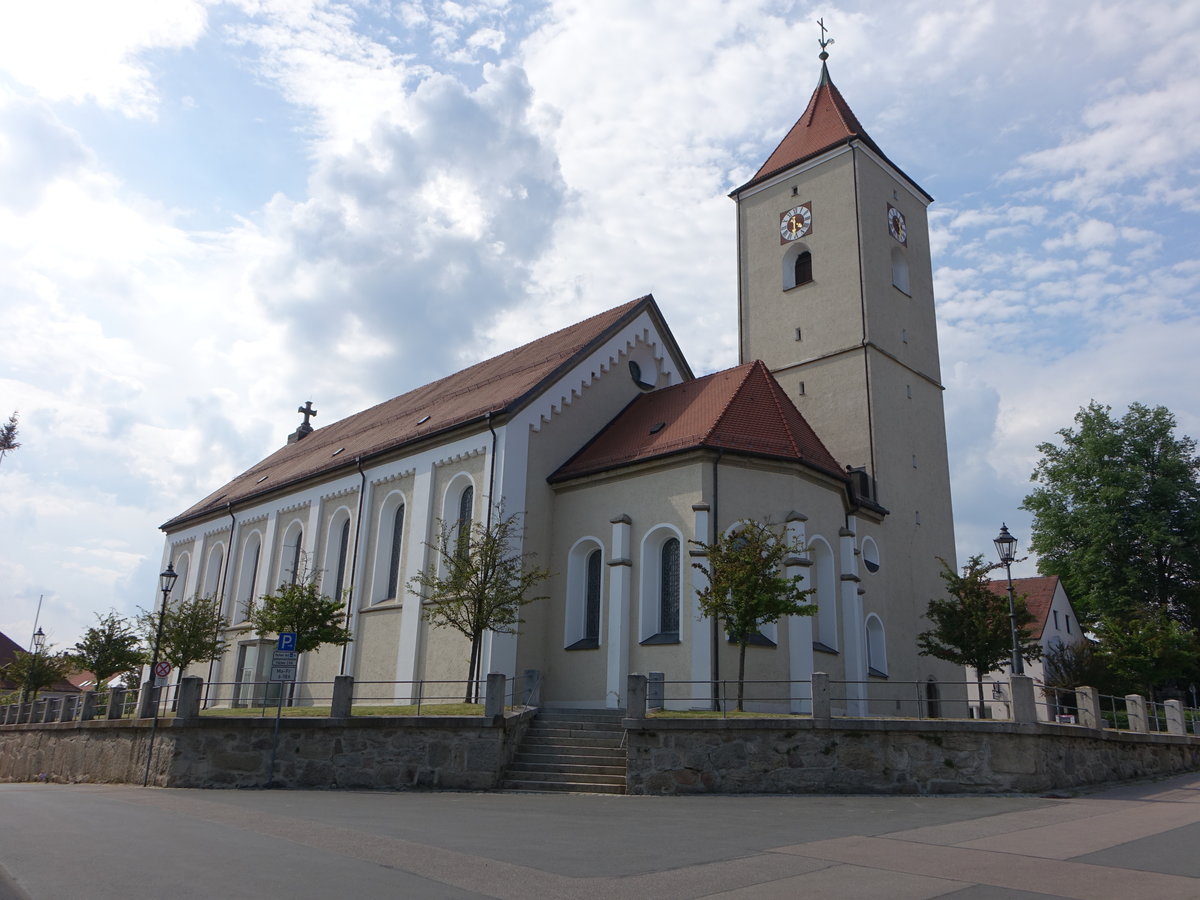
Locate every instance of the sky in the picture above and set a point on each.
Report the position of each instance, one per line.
(211, 212)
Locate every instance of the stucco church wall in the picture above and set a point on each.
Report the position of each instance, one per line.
(447, 658)
(375, 655)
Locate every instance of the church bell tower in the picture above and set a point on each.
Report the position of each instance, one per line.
(835, 295)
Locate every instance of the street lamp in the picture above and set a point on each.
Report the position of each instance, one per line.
(167, 581)
(1006, 548)
(39, 644)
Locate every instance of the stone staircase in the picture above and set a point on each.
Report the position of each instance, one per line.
(570, 750)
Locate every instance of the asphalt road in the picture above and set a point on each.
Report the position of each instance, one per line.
(108, 841)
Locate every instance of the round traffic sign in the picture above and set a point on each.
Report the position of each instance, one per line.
(162, 669)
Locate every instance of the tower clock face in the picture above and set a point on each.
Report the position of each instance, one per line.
(896, 225)
(795, 223)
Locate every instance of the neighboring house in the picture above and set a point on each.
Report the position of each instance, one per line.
(8, 650)
(620, 460)
(1055, 623)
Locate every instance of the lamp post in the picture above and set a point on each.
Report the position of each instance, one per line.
(39, 644)
(167, 583)
(1006, 548)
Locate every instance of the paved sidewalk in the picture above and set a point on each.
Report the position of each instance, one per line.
(104, 841)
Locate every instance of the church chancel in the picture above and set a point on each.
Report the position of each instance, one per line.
(832, 425)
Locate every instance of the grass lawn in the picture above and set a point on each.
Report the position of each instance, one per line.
(427, 709)
(712, 714)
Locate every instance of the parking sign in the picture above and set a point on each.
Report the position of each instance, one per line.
(287, 640)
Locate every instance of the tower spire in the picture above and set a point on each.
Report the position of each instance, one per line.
(824, 54)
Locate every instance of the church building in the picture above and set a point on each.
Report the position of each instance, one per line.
(619, 458)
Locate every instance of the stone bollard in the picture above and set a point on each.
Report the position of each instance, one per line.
(343, 696)
(87, 710)
(821, 706)
(1024, 702)
(1135, 706)
(656, 690)
(493, 698)
(116, 703)
(67, 714)
(187, 698)
(635, 704)
(147, 700)
(1175, 717)
(533, 687)
(1088, 703)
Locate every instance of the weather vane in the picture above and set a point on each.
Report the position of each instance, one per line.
(822, 40)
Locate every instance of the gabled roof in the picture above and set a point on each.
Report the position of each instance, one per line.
(499, 386)
(828, 122)
(1039, 595)
(8, 651)
(741, 410)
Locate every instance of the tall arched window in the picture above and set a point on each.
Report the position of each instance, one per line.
(466, 504)
(584, 590)
(394, 557)
(668, 591)
(797, 266)
(825, 634)
(248, 576)
(591, 612)
(876, 647)
(803, 268)
(343, 557)
(295, 550)
(212, 574)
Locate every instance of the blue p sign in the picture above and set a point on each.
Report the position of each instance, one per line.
(287, 640)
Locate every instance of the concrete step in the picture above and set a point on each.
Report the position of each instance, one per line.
(582, 715)
(525, 769)
(571, 755)
(572, 732)
(567, 777)
(559, 787)
(559, 740)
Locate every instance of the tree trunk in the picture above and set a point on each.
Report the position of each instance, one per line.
(741, 673)
(979, 685)
(472, 678)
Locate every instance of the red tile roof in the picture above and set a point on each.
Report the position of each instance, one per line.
(740, 410)
(827, 122)
(1039, 594)
(8, 651)
(499, 385)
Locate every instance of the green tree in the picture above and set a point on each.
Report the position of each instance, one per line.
(8, 436)
(1117, 514)
(971, 626)
(191, 631)
(109, 648)
(477, 582)
(1069, 665)
(33, 672)
(316, 618)
(747, 587)
(1146, 649)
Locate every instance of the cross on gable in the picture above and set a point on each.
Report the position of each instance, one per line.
(308, 412)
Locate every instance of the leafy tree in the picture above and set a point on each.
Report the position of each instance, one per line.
(8, 436)
(316, 618)
(1069, 665)
(109, 648)
(746, 585)
(32, 672)
(191, 631)
(1117, 514)
(1146, 649)
(971, 627)
(476, 582)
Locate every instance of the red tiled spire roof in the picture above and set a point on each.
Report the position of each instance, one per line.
(740, 410)
(498, 385)
(1039, 595)
(827, 122)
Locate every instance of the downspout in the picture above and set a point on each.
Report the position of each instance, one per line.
(362, 494)
(491, 474)
(716, 625)
(221, 591)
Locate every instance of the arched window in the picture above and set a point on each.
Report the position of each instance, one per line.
(181, 584)
(466, 504)
(870, 555)
(343, 557)
(825, 636)
(248, 576)
(294, 551)
(668, 589)
(585, 573)
(900, 269)
(393, 589)
(212, 573)
(876, 647)
(933, 707)
(797, 266)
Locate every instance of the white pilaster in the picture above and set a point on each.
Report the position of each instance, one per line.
(702, 626)
(854, 651)
(620, 577)
(800, 628)
(409, 641)
(499, 651)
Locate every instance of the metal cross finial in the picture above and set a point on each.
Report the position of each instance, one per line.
(307, 411)
(822, 40)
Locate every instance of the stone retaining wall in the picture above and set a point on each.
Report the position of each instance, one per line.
(361, 752)
(687, 756)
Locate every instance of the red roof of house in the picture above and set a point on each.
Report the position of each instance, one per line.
(827, 122)
(740, 410)
(1039, 594)
(8, 651)
(498, 385)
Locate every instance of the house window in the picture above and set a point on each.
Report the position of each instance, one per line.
(668, 594)
(797, 267)
(803, 268)
(393, 589)
(1056, 620)
(343, 550)
(900, 270)
(1068, 624)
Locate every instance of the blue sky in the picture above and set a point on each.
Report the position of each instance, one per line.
(211, 212)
